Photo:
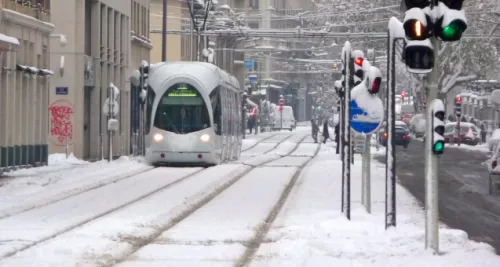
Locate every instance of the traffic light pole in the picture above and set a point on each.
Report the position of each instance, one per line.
(431, 161)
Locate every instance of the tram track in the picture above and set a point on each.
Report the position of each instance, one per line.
(261, 232)
(72, 193)
(258, 142)
(161, 229)
(174, 221)
(81, 190)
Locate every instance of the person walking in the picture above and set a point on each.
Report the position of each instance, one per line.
(483, 133)
(326, 135)
(315, 130)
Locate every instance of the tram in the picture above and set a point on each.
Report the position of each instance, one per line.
(193, 115)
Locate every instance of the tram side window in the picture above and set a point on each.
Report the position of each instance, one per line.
(149, 108)
(215, 100)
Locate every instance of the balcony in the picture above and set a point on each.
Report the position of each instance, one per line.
(39, 9)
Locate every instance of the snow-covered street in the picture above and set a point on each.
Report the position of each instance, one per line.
(278, 205)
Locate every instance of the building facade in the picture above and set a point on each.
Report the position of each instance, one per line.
(25, 32)
(183, 47)
(105, 41)
(175, 13)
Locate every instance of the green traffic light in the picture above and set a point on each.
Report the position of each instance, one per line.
(454, 31)
(438, 147)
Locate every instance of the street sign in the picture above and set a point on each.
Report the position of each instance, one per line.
(252, 78)
(62, 90)
(359, 143)
(249, 64)
(367, 113)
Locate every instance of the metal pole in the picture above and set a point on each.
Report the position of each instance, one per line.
(191, 32)
(366, 180)
(281, 118)
(67, 148)
(458, 130)
(110, 110)
(390, 171)
(164, 33)
(347, 130)
(431, 175)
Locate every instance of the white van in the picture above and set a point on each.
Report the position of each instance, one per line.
(288, 118)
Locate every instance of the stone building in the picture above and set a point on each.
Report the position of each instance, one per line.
(25, 33)
(105, 41)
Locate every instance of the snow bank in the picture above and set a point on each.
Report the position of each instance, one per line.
(312, 231)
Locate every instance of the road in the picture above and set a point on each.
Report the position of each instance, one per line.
(464, 202)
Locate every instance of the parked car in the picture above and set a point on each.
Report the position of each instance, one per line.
(402, 137)
(469, 133)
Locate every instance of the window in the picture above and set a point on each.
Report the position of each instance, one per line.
(449, 128)
(149, 108)
(400, 130)
(182, 110)
(217, 110)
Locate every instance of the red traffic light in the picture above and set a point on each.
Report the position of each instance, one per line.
(458, 100)
(375, 86)
(359, 61)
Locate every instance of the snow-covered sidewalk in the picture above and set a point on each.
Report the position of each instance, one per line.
(311, 230)
(25, 189)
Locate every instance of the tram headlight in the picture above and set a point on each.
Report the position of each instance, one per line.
(205, 138)
(158, 137)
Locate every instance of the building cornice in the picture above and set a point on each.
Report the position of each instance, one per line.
(141, 41)
(27, 21)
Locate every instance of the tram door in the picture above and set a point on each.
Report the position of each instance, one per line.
(223, 95)
(231, 124)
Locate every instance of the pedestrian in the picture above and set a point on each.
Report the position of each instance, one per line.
(337, 138)
(483, 133)
(326, 135)
(315, 130)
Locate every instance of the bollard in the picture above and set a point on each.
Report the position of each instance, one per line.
(67, 148)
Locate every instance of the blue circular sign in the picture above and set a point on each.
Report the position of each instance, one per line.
(366, 116)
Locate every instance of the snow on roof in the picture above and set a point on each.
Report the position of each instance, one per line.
(9, 39)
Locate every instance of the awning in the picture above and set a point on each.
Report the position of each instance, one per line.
(8, 43)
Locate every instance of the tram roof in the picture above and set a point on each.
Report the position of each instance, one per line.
(209, 75)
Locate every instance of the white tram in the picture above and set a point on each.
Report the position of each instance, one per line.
(194, 114)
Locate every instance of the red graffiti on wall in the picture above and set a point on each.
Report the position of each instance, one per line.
(61, 123)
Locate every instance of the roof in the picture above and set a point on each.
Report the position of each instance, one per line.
(208, 75)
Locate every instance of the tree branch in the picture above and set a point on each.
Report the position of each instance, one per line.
(456, 80)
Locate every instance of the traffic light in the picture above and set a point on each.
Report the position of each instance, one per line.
(374, 79)
(419, 56)
(438, 126)
(451, 22)
(358, 73)
(458, 107)
(358, 70)
(417, 24)
(144, 75)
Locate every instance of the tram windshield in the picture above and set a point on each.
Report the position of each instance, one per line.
(182, 110)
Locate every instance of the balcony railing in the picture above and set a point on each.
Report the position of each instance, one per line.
(39, 9)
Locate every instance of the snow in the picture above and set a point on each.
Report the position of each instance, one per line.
(396, 28)
(283, 148)
(9, 39)
(224, 228)
(305, 150)
(37, 225)
(29, 188)
(311, 230)
(110, 237)
(186, 222)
